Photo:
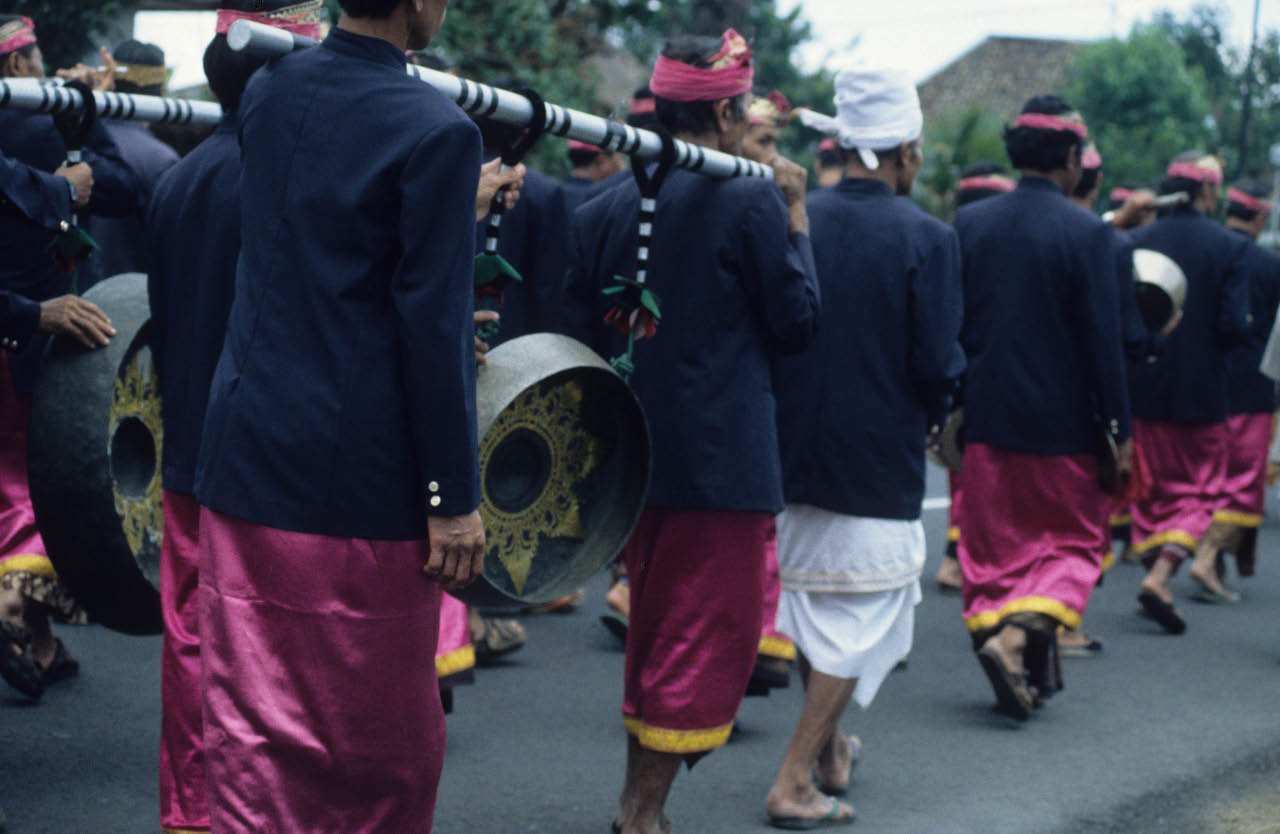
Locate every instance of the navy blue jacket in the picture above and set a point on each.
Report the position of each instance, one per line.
(1248, 391)
(31, 138)
(1187, 381)
(121, 237)
(736, 289)
(1139, 342)
(854, 408)
(534, 240)
(344, 400)
(19, 318)
(193, 240)
(577, 190)
(1041, 324)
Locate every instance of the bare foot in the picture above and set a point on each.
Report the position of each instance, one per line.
(805, 803)
(836, 762)
(949, 576)
(619, 598)
(1205, 572)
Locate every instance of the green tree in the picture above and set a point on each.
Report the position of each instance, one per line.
(1142, 101)
(953, 142)
(66, 30)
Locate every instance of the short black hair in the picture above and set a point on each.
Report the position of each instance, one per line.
(1254, 188)
(24, 51)
(1183, 185)
(829, 158)
(369, 8)
(141, 54)
(643, 120)
(430, 59)
(965, 196)
(494, 134)
(228, 71)
(694, 116)
(582, 157)
(1036, 149)
(1088, 182)
(1113, 203)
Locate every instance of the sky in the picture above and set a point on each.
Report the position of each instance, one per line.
(925, 35)
(920, 37)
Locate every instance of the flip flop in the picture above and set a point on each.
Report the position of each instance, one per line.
(1012, 698)
(62, 666)
(16, 667)
(855, 751)
(616, 623)
(1217, 597)
(1162, 612)
(830, 819)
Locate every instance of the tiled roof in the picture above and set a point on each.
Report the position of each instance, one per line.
(999, 74)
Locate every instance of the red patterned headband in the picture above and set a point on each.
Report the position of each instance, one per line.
(1120, 195)
(1043, 121)
(300, 19)
(575, 145)
(828, 144)
(16, 34)
(730, 74)
(985, 183)
(1246, 200)
(1197, 171)
(1091, 160)
(640, 106)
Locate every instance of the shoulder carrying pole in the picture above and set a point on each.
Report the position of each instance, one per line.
(513, 108)
(52, 97)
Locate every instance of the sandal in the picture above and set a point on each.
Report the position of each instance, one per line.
(1012, 695)
(855, 755)
(1150, 605)
(827, 820)
(497, 638)
(564, 605)
(62, 666)
(16, 666)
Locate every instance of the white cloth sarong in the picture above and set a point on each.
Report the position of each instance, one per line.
(849, 590)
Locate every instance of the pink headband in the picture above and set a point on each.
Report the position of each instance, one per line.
(640, 106)
(985, 184)
(1091, 160)
(300, 19)
(1119, 195)
(1043, 121)
(730, 75)
(1195, 171)
(1247, 200)
(16, 34)
(575, 145)
(828, 144)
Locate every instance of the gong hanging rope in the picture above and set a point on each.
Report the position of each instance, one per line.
(43, 96)
(513, 108)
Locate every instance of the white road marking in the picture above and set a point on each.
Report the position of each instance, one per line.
(936, 503)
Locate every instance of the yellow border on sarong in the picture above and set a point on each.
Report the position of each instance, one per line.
(29, 563)
(779, 647)
(1167, 537)
(1108, 562)
(458, 660)
(676, 741)
(1034, 605)
(1121, 520)
(953, 534)
(1237, 518)
(184, 831)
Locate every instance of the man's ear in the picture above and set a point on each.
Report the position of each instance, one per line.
(723, 110)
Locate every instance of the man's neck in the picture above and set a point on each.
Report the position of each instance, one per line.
(710, 139)
(391, 29)
(1059, 177)
(1240, 225)
(887, 174)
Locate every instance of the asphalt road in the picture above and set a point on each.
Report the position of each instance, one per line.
(1159, 734)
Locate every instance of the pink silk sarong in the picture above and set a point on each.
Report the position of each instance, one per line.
(697, 600)
(773, 643)
(184, 797)
(21, 548)
(1245, 483)
(1031, 525)
(1188, 463)
(321, 706)
(455, 656)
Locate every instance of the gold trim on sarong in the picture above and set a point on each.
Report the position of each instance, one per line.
(29, 563)
(779, 647)
(458, 660)
(184, 831)
(1108, 562)
(1237, 518)
(1033, 605)
(1167, 537)
(1121, 519)
(953, 534)
(676, 741)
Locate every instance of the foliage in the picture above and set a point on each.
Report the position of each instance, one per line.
(953, 142)
(1143, 103)
(64, 29)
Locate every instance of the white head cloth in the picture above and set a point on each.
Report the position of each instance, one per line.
(876, 109)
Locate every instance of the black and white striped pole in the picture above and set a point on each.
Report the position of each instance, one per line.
(43, 96)
(513, 108)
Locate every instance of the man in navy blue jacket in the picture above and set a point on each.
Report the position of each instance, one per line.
(1180, 399)
(337, 470)
(1251, 398)
(850, 543)
(731, 263)
(1045, 399)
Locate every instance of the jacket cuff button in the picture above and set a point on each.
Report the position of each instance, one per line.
(435, 500)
